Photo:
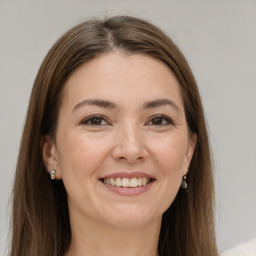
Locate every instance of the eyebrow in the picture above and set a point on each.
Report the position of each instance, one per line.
(95, 102)
(111, 105)
(160, 103)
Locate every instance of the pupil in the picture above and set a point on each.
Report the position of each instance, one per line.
(157, 121)
(96, 121)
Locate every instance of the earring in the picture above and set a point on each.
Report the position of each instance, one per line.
(184, 184)
(53, 175)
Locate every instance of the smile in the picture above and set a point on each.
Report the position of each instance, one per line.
(127, 182)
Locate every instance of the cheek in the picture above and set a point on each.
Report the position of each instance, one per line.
(169, 157)
(170, 154)
(80, 155)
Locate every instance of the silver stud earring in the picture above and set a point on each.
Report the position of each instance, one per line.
(53, 175)
(184, 184)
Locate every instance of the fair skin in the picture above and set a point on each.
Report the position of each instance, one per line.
(122, 118)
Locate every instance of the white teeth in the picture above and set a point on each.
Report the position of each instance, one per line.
(126, 182)
(118, 182)
(112, 182)
(133, 182)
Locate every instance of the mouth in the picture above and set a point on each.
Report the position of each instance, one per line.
(128, 183)
(134, 182)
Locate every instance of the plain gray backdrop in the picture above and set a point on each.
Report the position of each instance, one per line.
(219, 40)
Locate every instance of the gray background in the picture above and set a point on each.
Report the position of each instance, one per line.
(217, 37)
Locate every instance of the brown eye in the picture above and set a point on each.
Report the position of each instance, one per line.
(94, 121)
(157, 121)
(160, 120)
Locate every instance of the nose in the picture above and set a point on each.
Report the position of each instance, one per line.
(129, 145)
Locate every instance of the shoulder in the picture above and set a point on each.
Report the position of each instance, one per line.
(244, 249)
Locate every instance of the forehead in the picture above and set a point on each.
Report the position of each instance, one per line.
(122, 78)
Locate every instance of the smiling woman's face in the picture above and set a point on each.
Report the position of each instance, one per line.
(122, 143)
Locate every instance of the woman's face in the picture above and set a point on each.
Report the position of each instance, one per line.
(122, 143)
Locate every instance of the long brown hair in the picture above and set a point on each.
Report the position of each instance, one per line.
(40, 223)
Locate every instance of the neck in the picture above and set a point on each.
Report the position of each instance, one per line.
(93, 239)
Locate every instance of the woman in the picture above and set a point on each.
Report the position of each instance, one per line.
(115, 119)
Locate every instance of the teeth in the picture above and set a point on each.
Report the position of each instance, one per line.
(126, 182)
(118, 182)
(112, 182)
(133, 183)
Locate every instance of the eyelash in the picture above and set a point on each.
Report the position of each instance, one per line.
(91, 118)
(168, 120)
(100, 118)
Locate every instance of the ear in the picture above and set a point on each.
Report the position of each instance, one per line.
(190, 151)
(49, 155)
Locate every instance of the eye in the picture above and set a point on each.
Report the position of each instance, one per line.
(160, 120)
(94, 121)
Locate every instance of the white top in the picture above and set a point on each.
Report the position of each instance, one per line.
(244, 249)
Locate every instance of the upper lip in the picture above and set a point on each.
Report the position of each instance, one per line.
(128, 175)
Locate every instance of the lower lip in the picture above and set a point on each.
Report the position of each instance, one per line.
(128, 191)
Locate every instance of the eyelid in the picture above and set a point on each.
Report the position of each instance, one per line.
(91, 117)
(166, 118)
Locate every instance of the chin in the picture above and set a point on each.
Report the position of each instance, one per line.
(130, 216)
